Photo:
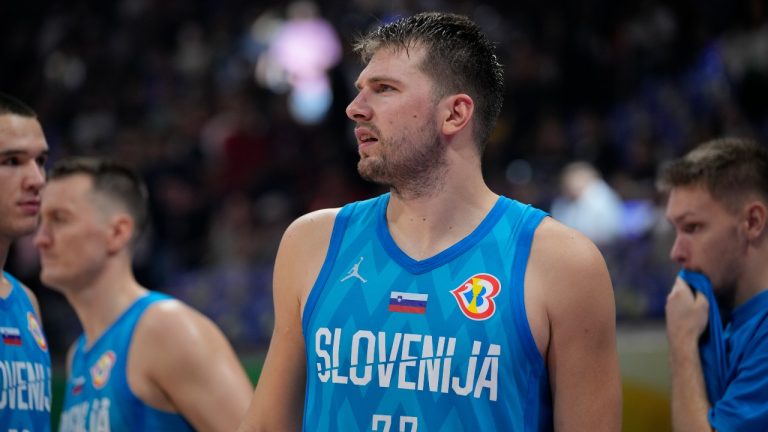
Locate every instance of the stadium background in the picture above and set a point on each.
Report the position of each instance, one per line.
(234, 113)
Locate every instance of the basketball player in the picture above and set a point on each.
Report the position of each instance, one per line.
(718, 205)
(439, 305)
(145, 362)
(25, 364)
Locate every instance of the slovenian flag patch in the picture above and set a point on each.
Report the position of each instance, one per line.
(407, 302)
(11, 336)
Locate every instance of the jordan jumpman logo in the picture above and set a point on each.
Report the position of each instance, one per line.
(354, 272)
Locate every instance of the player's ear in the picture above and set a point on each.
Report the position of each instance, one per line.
(121, 232)
(755, 219)
(457, 111)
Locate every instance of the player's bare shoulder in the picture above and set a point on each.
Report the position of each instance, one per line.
(312, 228)
(303, 250)
(566, 266)
(562, 252)
(171, 314)
(169, 332)
(170, 328)
(566, 272)
(181, 361)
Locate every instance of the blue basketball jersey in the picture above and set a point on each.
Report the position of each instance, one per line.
(25, 365)
(97, 395)
(443, 344)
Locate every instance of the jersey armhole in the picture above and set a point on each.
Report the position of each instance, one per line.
(339, 226)
(532, 219)
(136, 312)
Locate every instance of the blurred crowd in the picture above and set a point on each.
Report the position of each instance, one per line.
(234, 113)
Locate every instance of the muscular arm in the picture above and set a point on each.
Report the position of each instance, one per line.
(687, 317)
(568, 277)
(180, 361)
(278, 401)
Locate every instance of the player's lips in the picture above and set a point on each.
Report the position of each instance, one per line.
(30, 207)
(365, 137)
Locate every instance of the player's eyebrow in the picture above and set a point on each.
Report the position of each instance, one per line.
(376, 80)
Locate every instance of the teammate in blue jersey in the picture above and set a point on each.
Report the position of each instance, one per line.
(145, 362)
(25, 364)
(718, 205)
(439, 306)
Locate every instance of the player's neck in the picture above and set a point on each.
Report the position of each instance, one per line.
(103, 301)
(5, 285)
(425, 226)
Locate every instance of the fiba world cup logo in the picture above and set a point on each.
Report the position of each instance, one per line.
(475, 296)
(36, 331)
(101, 370)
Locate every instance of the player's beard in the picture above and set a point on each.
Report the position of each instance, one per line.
(725, 290)
(730, 268)
(412, 166)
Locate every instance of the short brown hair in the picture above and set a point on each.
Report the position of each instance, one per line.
(459, 58)
(729, 168)
(113, 179)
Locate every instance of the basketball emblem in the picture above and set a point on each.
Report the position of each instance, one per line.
(475, 296)
(101, 370)
(36, 331)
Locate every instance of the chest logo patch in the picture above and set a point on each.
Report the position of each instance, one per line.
(37, 331)
(475, 296)
(354, 272)
(101, 370)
